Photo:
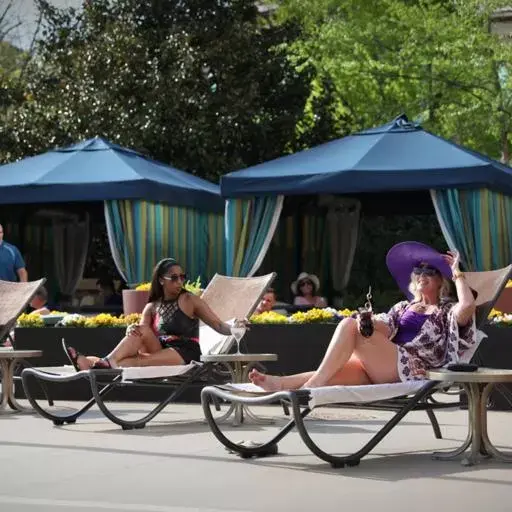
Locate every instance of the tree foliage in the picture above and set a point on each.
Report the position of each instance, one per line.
(436, 60)
(199, 84)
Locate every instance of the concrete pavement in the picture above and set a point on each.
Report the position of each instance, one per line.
(176, 464)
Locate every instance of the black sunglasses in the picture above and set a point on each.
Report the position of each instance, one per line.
(175, 277)
(302, 283)
(426, 270)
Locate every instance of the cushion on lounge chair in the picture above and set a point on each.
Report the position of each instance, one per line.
(370, 393)
(342, 394)
(157, 372)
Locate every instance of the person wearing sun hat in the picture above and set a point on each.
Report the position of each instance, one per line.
(431, 329)
(305, 289)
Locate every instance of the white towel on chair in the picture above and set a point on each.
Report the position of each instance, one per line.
(345, 394)
(368, 393)
(156, 372)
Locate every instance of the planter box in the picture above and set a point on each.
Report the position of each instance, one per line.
(300, 347)
(134, 301)
(89, 341)
(496, 352)
(504, 303)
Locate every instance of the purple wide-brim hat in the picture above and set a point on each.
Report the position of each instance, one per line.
(403, 257)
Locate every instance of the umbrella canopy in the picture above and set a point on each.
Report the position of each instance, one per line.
(394, 157)
(97, 170)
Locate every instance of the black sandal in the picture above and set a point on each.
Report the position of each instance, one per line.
(102, 364)
(72, 354)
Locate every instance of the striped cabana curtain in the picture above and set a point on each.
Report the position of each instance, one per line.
(141, 233)
(249, 227)
(477, 223)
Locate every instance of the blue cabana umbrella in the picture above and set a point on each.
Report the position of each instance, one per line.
(397, 156)
(97, 170)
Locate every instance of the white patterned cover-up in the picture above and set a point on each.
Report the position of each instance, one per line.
(441, 340)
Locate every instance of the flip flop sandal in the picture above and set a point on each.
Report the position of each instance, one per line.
(101, 364)
(72, 354)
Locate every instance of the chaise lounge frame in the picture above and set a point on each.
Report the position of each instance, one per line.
(228, 297)
(14, 299)
(489, 285)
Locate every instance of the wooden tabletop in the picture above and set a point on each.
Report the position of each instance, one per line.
(243, 358)
(6, 353)
(481, 375)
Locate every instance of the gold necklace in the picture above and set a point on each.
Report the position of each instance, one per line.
(420, 308)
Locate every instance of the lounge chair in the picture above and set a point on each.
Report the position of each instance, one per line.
(14, 299)
(401, 397)
(229, 297)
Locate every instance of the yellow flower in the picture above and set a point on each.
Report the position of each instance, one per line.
(346, 312)
(315, 315)
(194, 287)
(132, 318)
(269, 317)
(103, 320)
(30, 320)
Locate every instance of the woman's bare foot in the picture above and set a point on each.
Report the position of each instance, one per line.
(267, 382)
(312, 383)
(79, 361)
(83, 362)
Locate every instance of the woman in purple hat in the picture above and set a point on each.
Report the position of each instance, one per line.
(431, 329)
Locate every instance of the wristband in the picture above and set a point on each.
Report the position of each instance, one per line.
(457, 274)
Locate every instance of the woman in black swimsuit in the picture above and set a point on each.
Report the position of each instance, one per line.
(168, 333)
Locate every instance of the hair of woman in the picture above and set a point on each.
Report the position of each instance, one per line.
(445, 292)
(307, 280)
(156, 291)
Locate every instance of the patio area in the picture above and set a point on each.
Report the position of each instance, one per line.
(175, 464)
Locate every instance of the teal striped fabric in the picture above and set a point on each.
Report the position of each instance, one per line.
(478, 223)
(143, 232)
(248, 225)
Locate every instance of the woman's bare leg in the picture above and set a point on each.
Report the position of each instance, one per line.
(130, 346)
(352, 374)
(164, 357)
(379, 358)
(339, 351)
(377, 355)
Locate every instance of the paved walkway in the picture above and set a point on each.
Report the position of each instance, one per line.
(177, 465)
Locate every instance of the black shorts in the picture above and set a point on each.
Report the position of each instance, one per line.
(188, 349)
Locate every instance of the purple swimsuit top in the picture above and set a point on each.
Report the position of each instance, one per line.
(409, 325)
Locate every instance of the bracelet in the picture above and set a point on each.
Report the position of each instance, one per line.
(458, 274)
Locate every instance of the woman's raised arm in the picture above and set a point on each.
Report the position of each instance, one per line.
(204, 313)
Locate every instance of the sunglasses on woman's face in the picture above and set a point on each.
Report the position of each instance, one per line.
(175, 277)
(426, 271)
(305, 282)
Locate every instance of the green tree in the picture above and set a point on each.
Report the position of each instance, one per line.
(200, 84)
(436, 60)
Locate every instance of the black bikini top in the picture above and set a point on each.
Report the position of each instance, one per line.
(169, 319)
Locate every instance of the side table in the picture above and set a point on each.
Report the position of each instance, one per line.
(478, 386)
(239, 366)
(8, 360)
